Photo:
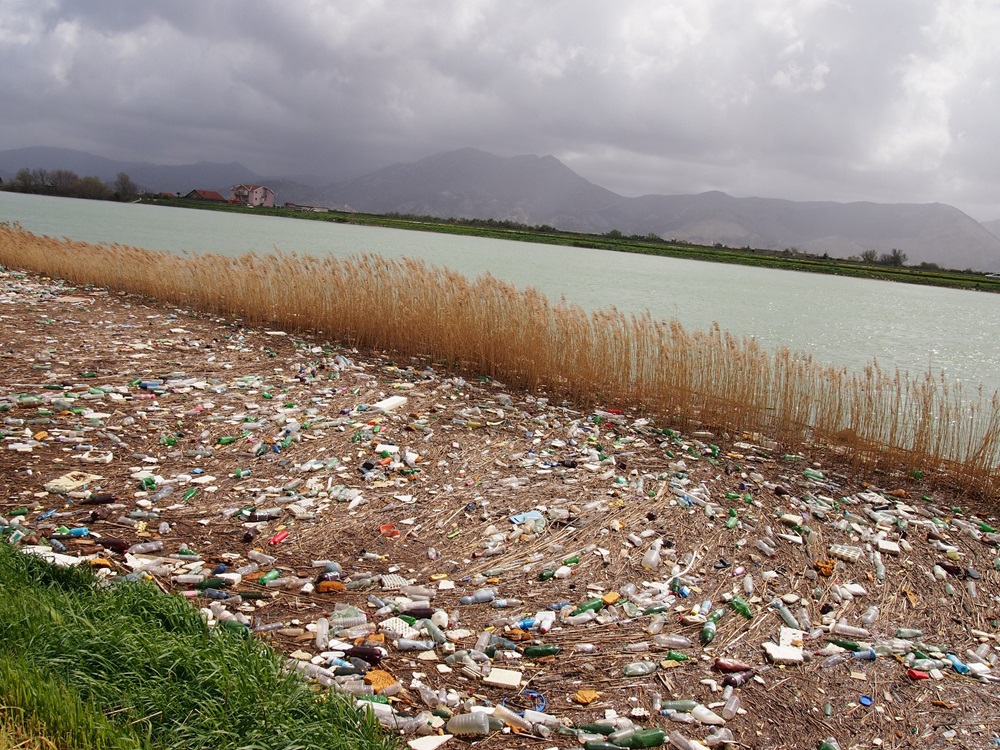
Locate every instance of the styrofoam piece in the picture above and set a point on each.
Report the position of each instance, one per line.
(388, 404)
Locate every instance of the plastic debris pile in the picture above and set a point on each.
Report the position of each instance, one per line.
(472, 563)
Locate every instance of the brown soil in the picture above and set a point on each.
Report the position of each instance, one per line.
(485, 454)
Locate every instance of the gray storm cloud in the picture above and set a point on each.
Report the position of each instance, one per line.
(892, 101)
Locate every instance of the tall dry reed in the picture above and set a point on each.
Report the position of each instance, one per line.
(874, 418)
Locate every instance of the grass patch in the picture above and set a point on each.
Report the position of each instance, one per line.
(93, 666)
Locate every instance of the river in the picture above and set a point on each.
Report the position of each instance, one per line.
(840, 321)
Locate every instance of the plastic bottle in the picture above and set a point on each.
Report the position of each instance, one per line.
(956, 664)
(432, 630)
(835, 659)
(842, 628)
(805, 624)
(709, 628)
(592, 605)
(651, 560)
(869, 616)
(656, 624)
(479, 597)
(539, 650)
(638, 668)
(511, 719)
(507, 603)
(322, 634)
(476, 724)
(740, 605)
(704, 715)
(144, 548)
(643, 738)
(618, 736)
(785, 614)
(409, 644)
(672, 641)
(738, 679)
(731, 707)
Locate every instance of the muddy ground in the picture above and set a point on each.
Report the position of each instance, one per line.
(122, 388)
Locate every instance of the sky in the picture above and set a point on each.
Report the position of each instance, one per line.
(893, 101)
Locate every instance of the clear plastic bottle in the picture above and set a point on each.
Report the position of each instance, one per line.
(731, 707)
(651, 560)
(869, 616)
(144, 548)
(638, 668)
(704, 715)
(476, 724)
(511, 719)
(672, 641)
(260, 557)
(322, 634)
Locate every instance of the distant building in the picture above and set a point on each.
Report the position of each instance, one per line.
(305, 207)
(253, 195)
(206, 195)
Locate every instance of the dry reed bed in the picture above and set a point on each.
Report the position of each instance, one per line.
(874, 418)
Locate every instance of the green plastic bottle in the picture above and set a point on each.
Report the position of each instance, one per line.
(541, 650)
(269, 576)
(708, 631)
(644, 738)
(844, 644)
(739, 604)
(214, 583)
(226, 440)
(597, 728)
(592, 605)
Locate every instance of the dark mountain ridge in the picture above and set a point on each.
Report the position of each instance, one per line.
(534, 190)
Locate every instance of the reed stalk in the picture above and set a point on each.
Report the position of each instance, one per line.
(873, 418)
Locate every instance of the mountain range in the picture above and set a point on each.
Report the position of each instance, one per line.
(533, 190)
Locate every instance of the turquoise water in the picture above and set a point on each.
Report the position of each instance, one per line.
(840, 321)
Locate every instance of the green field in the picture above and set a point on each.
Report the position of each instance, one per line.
(92, 666)
(789, 260)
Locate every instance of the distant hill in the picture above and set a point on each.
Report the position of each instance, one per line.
(992, 226)
(469, 183)
(541, 190)
(474, 184)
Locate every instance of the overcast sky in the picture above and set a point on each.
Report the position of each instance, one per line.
(883, 100)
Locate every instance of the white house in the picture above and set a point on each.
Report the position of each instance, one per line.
(253, 195)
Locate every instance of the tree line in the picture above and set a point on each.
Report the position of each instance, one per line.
(67, 183)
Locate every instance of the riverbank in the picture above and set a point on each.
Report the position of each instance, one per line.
(271, 442)
(788, 260)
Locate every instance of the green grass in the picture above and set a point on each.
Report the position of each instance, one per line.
(789, 260)
(89, 666)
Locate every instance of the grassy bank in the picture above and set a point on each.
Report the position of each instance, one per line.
(876, 419)
(127, 666)
(788, 260)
